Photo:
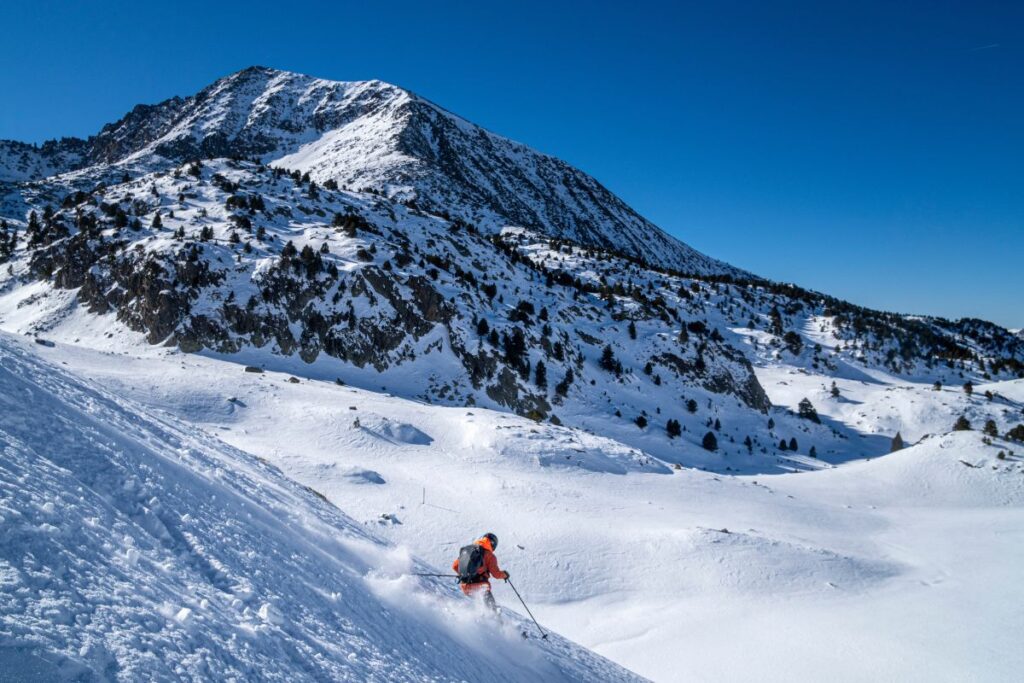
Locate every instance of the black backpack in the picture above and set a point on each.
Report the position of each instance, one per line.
(471, 564)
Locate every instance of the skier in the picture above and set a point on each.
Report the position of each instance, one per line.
(475, 564)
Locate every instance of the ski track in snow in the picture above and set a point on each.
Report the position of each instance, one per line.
(895, 568)
(167, 516)
(134, 547)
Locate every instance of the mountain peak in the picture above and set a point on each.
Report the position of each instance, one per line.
(367, 136)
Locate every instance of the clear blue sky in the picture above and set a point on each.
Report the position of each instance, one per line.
(874, 151)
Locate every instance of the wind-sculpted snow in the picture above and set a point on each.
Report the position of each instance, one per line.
(367, 135)
(135, 548)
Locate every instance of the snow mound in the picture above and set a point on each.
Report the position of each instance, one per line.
(750, 562)
(361, 476)
(133, 547)
(397, 432)
(955, 470)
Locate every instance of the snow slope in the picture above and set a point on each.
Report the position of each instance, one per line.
(902, 567)
(391, 331)
(134, 547)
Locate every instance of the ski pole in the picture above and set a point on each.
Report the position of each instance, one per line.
(544, 636)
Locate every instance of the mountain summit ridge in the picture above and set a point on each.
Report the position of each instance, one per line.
(369, 136)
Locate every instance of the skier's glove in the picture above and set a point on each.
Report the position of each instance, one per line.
(507, 577)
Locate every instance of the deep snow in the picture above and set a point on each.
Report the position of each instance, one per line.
(901, 567)
(165, 515)
(135, 547)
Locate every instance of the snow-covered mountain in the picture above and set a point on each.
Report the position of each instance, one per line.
(135, 547)
(367, 136)
(240, 258)
(802, 572)
(283, 282)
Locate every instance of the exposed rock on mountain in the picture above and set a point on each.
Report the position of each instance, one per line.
(368, 136)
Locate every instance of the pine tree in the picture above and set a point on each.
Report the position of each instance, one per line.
(782, 445)
(710, 442)
(897, 443)
(563, 387)
(541, 375)
(775, 324)
(640, 421)
(632, 329)
(835, 390)
(813, 452)
(673, 428)
(792, 444)
(1016, 434)
(749, 444)
(793, 342)
(962, 424)
(806, 411)
(691, 405)
(608, 361)
(515, 349)
(969, 388)
(157, 223)
(990, 429)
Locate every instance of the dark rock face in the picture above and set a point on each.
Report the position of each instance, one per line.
(730, 374)
(507, 391)
(743, 384)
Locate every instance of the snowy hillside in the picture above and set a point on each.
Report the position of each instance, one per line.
(243, 259)
(368, 136)
(133, 547)
(751, 578)
(285, 297)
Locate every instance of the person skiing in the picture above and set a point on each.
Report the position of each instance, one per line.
(475, 565)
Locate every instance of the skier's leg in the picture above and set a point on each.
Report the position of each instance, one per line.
(489, 601)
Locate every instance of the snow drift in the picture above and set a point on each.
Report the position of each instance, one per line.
(136, 548)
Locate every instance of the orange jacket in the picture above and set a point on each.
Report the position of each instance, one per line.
(490, 568)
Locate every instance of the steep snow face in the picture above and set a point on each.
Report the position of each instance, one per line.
(680, 576)
(134, 547)
(372, 136)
